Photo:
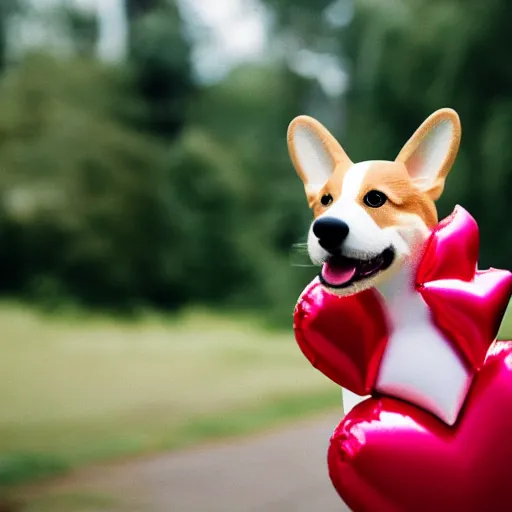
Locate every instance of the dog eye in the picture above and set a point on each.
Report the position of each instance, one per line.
(326, 199)
(374, 199)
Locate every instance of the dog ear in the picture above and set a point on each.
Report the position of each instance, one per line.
(315, 153)
(430, 152)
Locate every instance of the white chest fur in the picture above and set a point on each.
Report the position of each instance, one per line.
(419, 365)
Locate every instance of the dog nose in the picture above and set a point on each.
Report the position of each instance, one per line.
(330, 232)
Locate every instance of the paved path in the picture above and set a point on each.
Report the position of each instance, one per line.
(281, 471)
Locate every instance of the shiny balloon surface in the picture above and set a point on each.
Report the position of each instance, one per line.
(388, 455)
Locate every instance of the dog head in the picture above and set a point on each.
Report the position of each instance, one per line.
(369, 217)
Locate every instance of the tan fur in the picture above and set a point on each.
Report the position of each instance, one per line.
(340, 161)
(410, 156)
(396, 179)
(333, 187)
(393, 179)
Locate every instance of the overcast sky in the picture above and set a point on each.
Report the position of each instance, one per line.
(236, 31)
(237, 28)
(225, 32)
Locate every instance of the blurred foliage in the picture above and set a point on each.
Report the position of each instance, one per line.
(160, 59)
(79, 187)
(407, 59)
(130, 185)
(8, 8)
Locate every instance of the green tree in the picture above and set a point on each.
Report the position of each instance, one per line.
(402, 69)
(265, 212)
(7, 9)
(81, 27)
(79, 189)
(159, 56)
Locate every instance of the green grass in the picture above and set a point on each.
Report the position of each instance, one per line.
(77, 390)
(506, 327)
(71, 502)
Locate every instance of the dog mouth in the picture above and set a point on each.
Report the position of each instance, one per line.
(340, 272)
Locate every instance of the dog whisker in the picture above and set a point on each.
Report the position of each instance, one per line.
(299, 256)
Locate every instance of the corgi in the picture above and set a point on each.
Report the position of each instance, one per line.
(370, 222)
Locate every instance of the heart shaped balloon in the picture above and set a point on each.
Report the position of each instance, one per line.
(338, 337)
(390, 456)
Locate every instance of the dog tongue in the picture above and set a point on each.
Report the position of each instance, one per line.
(338, 274)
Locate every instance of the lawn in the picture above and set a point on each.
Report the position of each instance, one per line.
(79, 390)
(74, 391)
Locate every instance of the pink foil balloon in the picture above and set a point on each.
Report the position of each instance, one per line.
(387, 454)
